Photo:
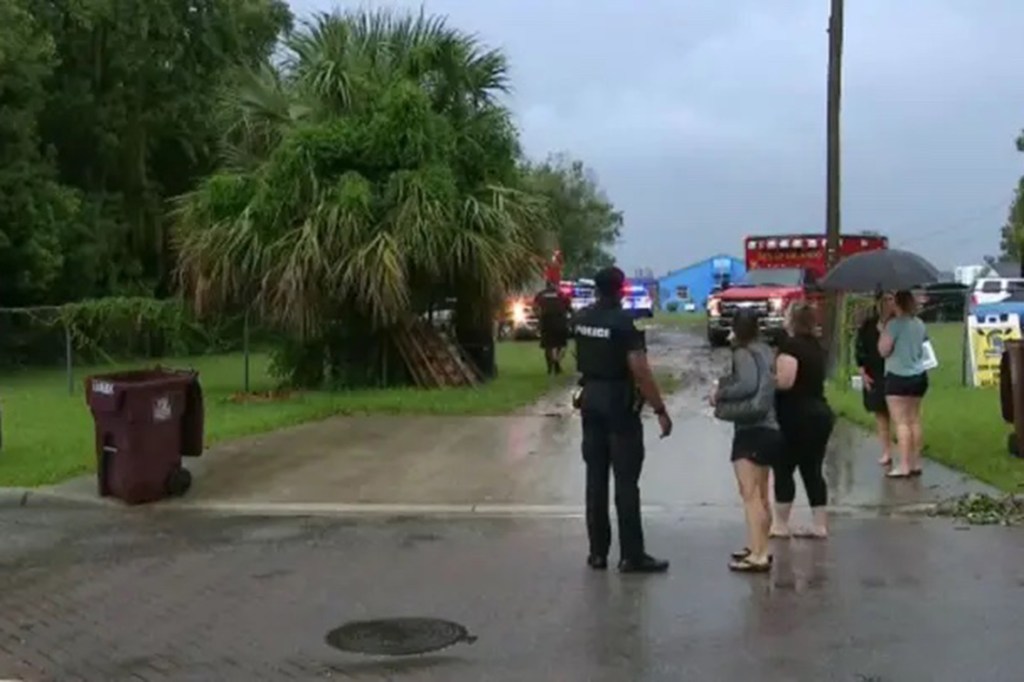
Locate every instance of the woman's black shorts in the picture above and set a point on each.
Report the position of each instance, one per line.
(908, 387)
(874, 397)
(760, 445)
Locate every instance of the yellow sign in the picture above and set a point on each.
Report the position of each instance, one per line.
(987, 342)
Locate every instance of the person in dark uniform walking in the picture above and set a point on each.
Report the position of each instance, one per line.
(616, 381)
(553, 309)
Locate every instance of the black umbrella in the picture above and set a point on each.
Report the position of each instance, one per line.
(883, 269)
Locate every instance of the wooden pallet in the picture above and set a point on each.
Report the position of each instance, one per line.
(433, 359)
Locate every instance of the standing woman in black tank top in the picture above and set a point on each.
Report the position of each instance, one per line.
(805, 419)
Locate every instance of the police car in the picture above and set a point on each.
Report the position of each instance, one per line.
(637, 300)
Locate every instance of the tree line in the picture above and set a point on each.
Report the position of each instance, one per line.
(1012, 234)
(143, 141)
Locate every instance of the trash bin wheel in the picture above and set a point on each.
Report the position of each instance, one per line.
(178, 482)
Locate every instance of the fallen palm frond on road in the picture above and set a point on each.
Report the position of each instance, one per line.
(981, 509)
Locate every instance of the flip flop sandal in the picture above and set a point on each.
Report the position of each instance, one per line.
(745, 565)
(885, 462)
(898, 474)
(916, 472)
(741, 554)
(780, 536)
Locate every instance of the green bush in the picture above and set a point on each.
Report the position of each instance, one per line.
(672, 306)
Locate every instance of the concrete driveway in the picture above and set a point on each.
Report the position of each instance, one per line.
(524, 462)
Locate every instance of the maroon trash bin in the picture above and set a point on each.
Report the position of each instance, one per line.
(1006, 387)
(1015, 400)
(192, 421)
(139, 419)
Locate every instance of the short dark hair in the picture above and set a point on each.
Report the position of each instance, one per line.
(745, 327)
(609, 282)
(906, 302)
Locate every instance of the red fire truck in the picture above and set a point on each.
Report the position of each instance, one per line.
(781, 269)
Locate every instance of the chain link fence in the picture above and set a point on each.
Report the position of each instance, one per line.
(50, 346)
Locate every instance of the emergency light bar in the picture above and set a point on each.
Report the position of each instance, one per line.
(803, 242)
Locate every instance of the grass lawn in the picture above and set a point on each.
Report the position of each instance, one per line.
(963, 427)
(48, 435)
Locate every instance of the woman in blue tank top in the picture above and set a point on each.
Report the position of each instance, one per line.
(901, 343)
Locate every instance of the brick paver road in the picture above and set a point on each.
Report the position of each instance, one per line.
(107, 596)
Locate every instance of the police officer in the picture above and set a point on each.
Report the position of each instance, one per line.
(616, 381)
(553, 316)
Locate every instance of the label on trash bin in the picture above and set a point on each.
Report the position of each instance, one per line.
(103, 387)
(161, 409)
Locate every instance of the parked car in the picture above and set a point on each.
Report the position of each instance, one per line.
(996, 289)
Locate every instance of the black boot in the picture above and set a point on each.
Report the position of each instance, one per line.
(598, 563)
(644, 564)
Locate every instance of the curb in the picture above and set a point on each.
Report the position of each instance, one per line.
(500, 511)
(12, 498)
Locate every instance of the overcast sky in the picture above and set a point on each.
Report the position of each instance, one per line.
(705, 119)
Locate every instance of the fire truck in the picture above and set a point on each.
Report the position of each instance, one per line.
(781, 269)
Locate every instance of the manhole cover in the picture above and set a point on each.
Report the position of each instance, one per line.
(398, 636)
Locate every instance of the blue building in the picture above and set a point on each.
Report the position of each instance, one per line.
(695, 282)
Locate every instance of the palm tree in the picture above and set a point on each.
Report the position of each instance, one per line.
(372, 170)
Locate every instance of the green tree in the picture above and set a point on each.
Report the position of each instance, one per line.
(372, 173)
(1011, 241)
(584, 221)
(35, 211)
(128, 116)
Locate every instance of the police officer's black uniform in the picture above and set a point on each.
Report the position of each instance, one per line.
(553, 316)
(612, 431)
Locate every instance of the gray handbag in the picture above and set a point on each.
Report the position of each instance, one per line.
(751, 408)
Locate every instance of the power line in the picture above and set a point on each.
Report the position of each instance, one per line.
(958, 224)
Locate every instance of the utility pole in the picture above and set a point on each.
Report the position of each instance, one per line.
(833, 185)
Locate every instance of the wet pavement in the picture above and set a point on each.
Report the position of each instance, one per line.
(524, 463)
(149, 595)
(463, 523)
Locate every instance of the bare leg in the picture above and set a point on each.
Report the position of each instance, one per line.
(780, 524)
(766, 509)
(904, 434)
(819, 521)
(917, 433)
(750, 478)
(885, 436)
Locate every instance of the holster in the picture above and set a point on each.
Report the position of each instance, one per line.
(577, 395)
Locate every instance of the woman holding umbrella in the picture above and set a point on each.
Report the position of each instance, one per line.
(901, 343)
(901, 338)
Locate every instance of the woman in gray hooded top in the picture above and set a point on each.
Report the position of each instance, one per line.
(756, 444)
